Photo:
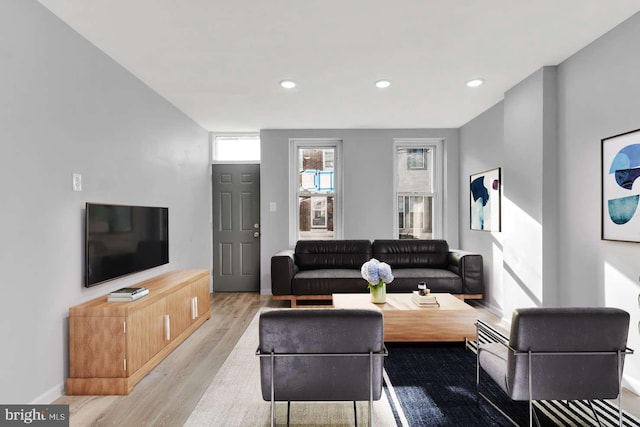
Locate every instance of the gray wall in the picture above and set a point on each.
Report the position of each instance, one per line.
(66, 107)
(367, 184)
(519, 135)
(528, 232)
(590, 96)
(599, 96)
(482, 148)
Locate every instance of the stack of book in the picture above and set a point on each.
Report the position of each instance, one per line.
(128, 294)
(424, 300)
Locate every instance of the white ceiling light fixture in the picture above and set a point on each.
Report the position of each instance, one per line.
(288, 84)
(475, 82)
(382, 84)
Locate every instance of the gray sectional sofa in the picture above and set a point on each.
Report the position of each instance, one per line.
(315, 269)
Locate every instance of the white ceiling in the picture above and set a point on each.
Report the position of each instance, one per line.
(220, 62)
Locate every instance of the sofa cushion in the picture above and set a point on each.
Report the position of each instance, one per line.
(438, 280)
(412, 253)
(335, 281)
(332, 254)
(328, 281)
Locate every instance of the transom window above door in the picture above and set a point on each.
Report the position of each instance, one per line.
(235, 148)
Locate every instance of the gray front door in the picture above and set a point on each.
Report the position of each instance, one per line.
(236, 227)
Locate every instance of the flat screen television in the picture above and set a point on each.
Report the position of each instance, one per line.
(121, 240)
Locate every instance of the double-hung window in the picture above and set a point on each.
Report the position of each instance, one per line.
(417, 184)
(315, 179)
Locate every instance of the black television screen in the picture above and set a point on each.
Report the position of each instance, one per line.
(121, 240)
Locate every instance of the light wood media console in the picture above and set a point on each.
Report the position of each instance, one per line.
(113, 345)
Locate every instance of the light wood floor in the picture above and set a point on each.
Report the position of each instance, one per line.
(168, 394)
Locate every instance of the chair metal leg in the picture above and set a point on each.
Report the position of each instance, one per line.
(619, 388)
(479, 394)
(273, 394)
(477, 367)
(355, 413)
(535, 417)
(288, 411)
(595, 415)
(370, 388)
(273, 413)
(532, 413)
(530, 392)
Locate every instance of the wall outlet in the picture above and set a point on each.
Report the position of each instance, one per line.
(77, 182)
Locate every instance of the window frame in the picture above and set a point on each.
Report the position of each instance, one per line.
(437, 196)
(320, 143)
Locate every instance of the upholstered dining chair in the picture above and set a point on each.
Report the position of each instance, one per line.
(556, 353)
(321, 355)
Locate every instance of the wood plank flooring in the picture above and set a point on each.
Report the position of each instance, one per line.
(168, 394)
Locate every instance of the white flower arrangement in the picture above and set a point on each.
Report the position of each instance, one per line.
(376, 273)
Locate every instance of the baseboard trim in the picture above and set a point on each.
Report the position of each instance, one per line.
(49, 396)
(631, 384)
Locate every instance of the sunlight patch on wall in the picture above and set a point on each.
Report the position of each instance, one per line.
(522, 258)
(618, 288)
(495, 285)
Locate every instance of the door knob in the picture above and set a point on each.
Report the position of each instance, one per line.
(256, 234)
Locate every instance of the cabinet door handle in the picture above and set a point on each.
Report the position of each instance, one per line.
(193, 308)
(195, 305)
(167, 327)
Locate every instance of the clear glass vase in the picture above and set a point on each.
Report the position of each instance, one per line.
(378, 293)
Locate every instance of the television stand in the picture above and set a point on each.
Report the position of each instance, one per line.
(113, 345)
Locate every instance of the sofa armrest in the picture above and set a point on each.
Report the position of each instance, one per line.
(469, 266)
(283, 268)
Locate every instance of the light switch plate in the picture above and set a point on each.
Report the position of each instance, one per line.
(77, 182)
(272, 207)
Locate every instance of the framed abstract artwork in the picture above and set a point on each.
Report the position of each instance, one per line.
(485, 200)
(620, 168)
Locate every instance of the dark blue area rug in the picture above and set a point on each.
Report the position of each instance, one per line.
(435, 385)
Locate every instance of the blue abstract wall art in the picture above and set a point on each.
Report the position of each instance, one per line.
(621, 210)
(620, 193)
(485, 200)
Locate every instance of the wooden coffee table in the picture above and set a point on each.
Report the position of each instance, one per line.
(405, 321)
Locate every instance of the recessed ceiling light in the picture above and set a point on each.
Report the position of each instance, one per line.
(383, 84)
(475, 82)
(288, 84)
